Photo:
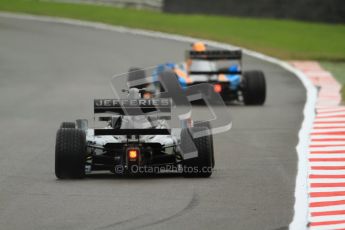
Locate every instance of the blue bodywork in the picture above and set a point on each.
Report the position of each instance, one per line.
(234, 79)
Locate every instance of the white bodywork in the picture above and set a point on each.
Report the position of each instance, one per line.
(136, 122)
(165, 140)
(201, 65)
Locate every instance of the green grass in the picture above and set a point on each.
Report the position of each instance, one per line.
(338, 71)
(280, 38)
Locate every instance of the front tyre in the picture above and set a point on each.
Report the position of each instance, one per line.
(70, 153)
(254, 88)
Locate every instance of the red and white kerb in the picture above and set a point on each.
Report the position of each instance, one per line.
(326, 180)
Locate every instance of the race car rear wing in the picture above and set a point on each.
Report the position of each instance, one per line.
(133, 107)
(128, 132)
(215, 72)
(214, 55)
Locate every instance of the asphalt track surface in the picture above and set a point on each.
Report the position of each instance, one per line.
(51, 72)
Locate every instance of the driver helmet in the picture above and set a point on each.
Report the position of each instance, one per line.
(198, 46)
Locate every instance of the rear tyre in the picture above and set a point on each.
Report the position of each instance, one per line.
(70, 153)
(67, 125)
(209, 127)
(254, 88)
(200, 166)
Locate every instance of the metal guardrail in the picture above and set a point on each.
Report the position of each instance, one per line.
(137, 4)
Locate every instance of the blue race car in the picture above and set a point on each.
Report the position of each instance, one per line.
(233, 84)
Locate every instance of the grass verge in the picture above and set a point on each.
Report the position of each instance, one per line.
(280, 38)
(338, 71)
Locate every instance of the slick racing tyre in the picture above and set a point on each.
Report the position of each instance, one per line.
(254, 88)
(200, 166)
(70, 153)
(207, 124)
(67, 125)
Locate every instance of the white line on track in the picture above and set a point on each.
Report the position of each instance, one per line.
(326, 156)
(333, 119)
(328, 172)
(327, 143)
(331, 114)
(326, 199)
(337, 163)
(335, 125)
(327, 189)
(327, 218)
(327, 180)
(328, 227)
(322, 137)
(331, 110)
(328, 149)
(327, 208)
(332, 130)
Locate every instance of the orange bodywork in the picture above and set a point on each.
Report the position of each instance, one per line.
(222, 77)
(183, 75)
